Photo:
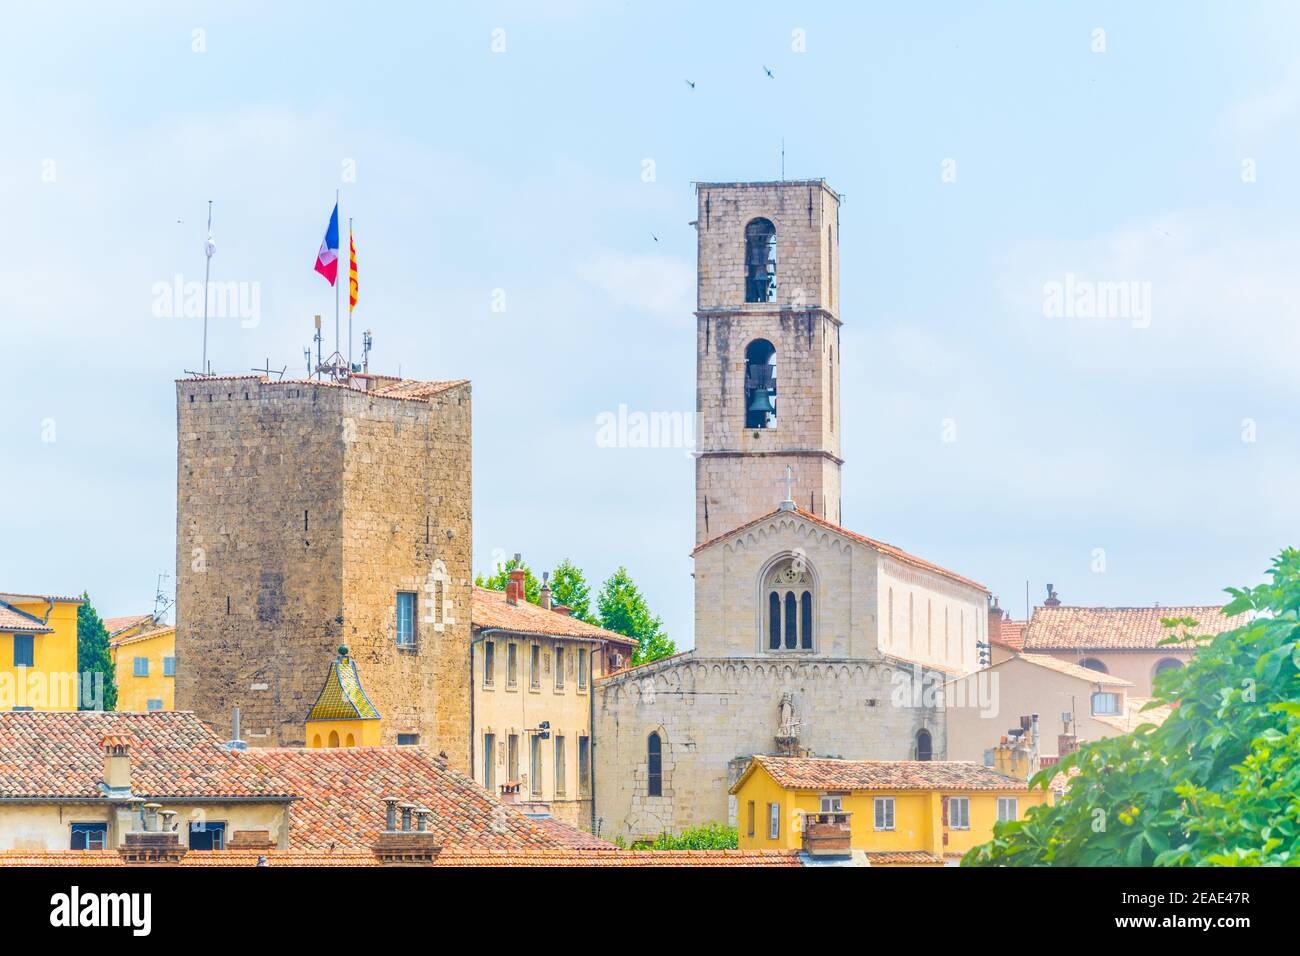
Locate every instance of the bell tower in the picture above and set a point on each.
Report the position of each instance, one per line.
(768, 351)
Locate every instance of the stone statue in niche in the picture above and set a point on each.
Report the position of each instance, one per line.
(787, 732)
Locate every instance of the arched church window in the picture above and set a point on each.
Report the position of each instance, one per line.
(791, 614)
(760, 384)
(774, 621)
(924, 745)
(654, 766)
(760, 261)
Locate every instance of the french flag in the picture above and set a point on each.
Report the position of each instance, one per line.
(327, 260)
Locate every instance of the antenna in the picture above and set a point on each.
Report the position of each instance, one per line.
(209, 247)
(162, 601)
(783, 159)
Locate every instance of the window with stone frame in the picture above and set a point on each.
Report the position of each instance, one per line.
(790, 613)
(760, 261)
(654, 766)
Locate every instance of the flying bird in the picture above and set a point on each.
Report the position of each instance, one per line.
(654, 237)
(769, 73)
(691, 84)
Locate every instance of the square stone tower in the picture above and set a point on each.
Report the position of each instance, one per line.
(768, 347)
(310, 515)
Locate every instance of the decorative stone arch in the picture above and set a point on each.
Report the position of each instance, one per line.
(782, 565)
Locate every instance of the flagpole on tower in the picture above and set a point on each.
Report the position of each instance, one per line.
(336, 289)
(349, 295)
(209, 247)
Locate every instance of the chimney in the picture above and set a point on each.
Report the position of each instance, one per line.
(510, 792)
(995, 620)
(407, 847)
(827, 835)
(1066, 744)
(234, 743)
(117, 765)
(251, 840)
(157, 841)
(1052, 599)
(546, 590)
(515, 591)
(562, 609)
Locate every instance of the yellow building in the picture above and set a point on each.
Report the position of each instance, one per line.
(343, 715)
(144, 662)
(908, 812)
(533, 667)
(38, 653)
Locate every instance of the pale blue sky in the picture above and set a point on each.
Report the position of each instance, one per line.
(522, 171)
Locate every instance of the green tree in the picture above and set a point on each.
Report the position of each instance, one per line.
(93, 656)
(623, 609)
(1218, 783)
(569, 587)
(497, 581)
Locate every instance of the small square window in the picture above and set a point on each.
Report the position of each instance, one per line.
(405, 618)
(959, 813)
(832, 803)
(24, 650)
(154, 703)
(169, 667)
(408, 740)
(89, 836)
(140, 667)
(207, 836)
(1008, 809)
(884, 813)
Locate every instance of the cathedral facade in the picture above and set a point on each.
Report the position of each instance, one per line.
(809, 638)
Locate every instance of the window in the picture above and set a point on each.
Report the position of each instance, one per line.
(169, 667)
(884, 813)
(832, 803)
(749, 818)
(959, 813)
(207, 836)
(535, 765)
(1105, 704)
(584, 766)
(654, 766)
(1008, 808)
(512, 664)
(489, 663)
(512, 758)
(760, 261)
(89, 836)
(559, 668)
(561, 770)
(489, 763)
(334, 739)
(760, 384)
(924, 745)
(1093, 665)
(140, 667)
(1167, 664)
(790, 610)
(405, 618)
(535, 668)
(24, 650)
(154, 703)
(773, 820)
(408, 740)
(583, 661)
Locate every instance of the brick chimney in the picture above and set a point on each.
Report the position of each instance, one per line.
(1066, 744)
(411, 845)
(515, 591)
(827, 834)
(1052, 599)
(562, 609)
(251, 840)
(546, 590)
(510, 792)
(117, 765)
(995, 619)
(158, 840)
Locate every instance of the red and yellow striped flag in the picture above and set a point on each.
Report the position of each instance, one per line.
(352, 272)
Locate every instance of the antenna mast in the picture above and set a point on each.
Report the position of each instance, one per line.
(209, 247)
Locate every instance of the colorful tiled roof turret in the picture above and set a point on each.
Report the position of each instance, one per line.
(342, 697)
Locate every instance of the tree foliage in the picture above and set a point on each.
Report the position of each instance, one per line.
(623, 609)
(569, 587)
(1218, 783)
(710, 836)
(93, 655)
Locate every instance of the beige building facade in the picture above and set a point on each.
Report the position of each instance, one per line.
(809, 638)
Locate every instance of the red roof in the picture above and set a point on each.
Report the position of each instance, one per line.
(886, 549)
(1118, 628)
(116, 625)
(490, 609)
(824, 773)
(1011, 634)
(12, 619)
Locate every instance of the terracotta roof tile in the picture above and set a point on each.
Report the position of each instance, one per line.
(1117, 628)
(116, 625)
(144, 636)
(824, 773)
(1011, 634)
(903, 858)
(887, 549)
(173, 755)
(490, 609)
(15, 597)
(12, 619)
(571, 836)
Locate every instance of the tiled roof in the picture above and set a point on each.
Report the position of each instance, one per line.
(405, 389)
(490, 609)
(12, 619)
(450, 857)
(903, 858)
(1011, 634)
(116, 625)
(342, 697)
(571, 836)
(341, 792)
(882, 547)
(1075, 670)
(1117, 628)
(14, 597)
(143, 636)
(173, 755)
(824, 773)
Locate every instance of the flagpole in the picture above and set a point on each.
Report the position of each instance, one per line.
(349, 296)
(207, 271)
(336, 285)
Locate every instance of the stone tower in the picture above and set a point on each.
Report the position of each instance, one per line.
(768, 369)
(310, 515)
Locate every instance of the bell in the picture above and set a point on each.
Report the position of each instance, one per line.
(761, 402)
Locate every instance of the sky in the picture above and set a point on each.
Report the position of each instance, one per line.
(520, 177)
